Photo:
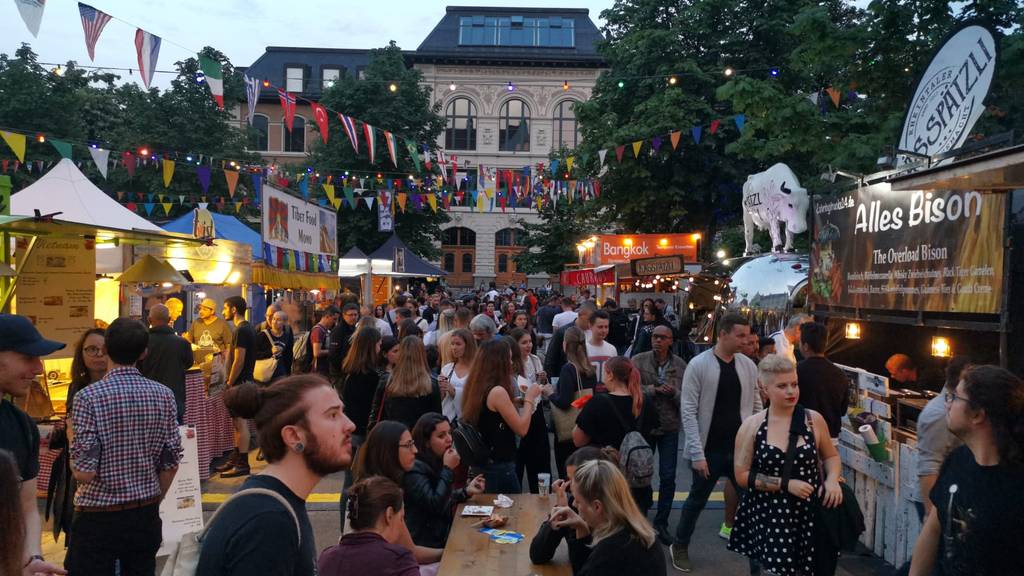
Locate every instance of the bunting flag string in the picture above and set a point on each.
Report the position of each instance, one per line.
(63, 148)
(203, 174)
(214, 75)
(389, 142)
(93, 22)
(31, 14)
(147, 47)
(252, 94)
(100, 158)
(16, 142)
(232, 179)
(168, 166)
(320, 116)
(288, 105)
(371, 142)
(350, 129)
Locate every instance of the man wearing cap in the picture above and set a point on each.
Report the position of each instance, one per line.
(124, 454)
(209, 333)
(21, 347)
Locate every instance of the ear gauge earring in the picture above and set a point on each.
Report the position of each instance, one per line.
(299, 447)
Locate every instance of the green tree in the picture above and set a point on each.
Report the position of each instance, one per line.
(408, 113)
(551, 243)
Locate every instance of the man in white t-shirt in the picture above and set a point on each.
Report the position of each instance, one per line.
(492, 294)
(599, 351)
(786, 340)
(566, 316)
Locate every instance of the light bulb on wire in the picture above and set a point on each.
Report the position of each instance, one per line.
(672, 80)
(510, 87)
(452, 86)
(622, 84)
(729, 72)
(393, 87)
(565, 85)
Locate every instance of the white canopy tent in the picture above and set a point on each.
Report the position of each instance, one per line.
(66, 190)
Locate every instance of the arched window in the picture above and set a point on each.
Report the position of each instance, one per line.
(449, 262)
(566, 126)
(507, 237)
(460, 131)
(261, 129)
(458, 237)
(514, 126)
(467, 262)
(295, 141)
(503, 263)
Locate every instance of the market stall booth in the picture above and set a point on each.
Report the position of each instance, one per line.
(915, 261)
(387, 270)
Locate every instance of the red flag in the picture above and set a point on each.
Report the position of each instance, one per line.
(714, 125)
(129, 163)
(320, 114)
(618, 152)
(288, 103)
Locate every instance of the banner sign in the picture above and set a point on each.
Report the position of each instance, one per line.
(656, 266)
(291, 223)
(938, 251)
(621, 248)
(385, 221)
(57, 289)
(181, 510)
(588, 277)
(950, 95)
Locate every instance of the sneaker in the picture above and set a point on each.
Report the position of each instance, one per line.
(725, 531)
(680, 557)
(228, 463)
(663, 534)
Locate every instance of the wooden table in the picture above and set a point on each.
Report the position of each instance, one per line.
(470, 552)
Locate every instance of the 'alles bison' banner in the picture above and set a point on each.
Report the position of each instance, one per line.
(934, 251)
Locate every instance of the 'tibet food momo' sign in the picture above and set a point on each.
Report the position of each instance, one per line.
(950, 94)
(294, 224)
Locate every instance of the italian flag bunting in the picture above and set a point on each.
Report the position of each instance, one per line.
(214, 78)
(389, 141)
(371, 142)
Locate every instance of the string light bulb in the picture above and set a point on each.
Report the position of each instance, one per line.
(622, 84)
(672, 80)
(144, 151)
(266, 83)
(393, 87)
(729, 72)
(510, 87)
(452, 86)
(41, 138)
(565, 85)
(774, 72)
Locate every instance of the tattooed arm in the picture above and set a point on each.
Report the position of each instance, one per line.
(744, 458)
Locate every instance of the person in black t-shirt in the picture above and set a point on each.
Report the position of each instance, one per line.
(21, 347)
(974, 527)
(243, 361)
(823, 386)
(305, 436)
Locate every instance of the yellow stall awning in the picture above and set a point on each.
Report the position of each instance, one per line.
(287, 279)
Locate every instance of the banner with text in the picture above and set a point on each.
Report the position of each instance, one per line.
(934, 251)
(294, 224)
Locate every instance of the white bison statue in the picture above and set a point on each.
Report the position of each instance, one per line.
(770, 197)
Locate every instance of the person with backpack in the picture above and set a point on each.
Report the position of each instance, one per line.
(305, 435)
(617, 418)
(320, 343)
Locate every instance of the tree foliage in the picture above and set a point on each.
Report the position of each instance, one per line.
(407, 113)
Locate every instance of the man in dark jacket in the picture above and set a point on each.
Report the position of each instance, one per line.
(340, 340)
(168, 356)
(618, 325)
(823, 386)
(555, 357)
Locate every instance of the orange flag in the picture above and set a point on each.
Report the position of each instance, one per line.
(232, 177)
(834, 95)
(402, 197)
(674, 136)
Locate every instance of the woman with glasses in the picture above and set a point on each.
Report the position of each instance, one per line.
(390, 451)
(89, 365)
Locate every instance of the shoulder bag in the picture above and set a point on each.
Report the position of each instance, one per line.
(184, 558)
(565, 418)
(264, 370)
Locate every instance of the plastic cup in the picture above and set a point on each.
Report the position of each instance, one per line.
(544, 484)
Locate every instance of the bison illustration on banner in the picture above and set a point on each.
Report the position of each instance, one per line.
(771, 197)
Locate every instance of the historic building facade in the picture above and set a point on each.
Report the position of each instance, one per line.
(507, 80)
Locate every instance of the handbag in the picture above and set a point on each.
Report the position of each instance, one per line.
(184, 558)
(839, 527)
(470, 444)
(565, 418)
(264, 370)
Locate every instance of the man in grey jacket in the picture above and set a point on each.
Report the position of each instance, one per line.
(661, 373)
(719, 392)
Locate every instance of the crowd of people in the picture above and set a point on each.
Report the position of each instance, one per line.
(560, 393)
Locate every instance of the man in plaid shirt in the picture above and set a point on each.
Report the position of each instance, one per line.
(124, 453)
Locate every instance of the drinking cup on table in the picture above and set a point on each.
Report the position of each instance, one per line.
(544, 484)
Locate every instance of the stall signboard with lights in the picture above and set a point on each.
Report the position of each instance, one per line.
(623, 248)
(298, 235)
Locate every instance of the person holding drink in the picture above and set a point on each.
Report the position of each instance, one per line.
(534, 453)
(456, 358)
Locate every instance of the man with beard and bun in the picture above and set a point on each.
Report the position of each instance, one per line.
(975, 526)
(305, 436)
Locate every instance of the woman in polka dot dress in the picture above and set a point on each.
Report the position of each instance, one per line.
(775, 521)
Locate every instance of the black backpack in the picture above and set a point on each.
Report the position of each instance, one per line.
(470, 444)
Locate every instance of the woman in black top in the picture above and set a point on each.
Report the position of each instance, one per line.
(534, 453)
(607, 418)
(277, 342)
(608, 535)
(577, 377)
(429, 497)
(487, 404)
(359, 369)
(650, 317)
(411, 391)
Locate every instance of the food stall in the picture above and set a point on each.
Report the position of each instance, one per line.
(387, 270)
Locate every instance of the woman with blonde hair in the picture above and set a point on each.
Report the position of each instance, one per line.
(456, 360)
(445, 324)
(577, 378)
(612, 536)
(411, 391)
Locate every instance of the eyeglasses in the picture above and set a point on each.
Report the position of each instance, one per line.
(410, 445)
(94, 351)
(953, 397)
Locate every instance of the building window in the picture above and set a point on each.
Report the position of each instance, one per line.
(467, 262)
(295, 141)
(294, 79)
(502, 263)
(261, 129)
(551, 32)
(514, 126)
(460, 132)
(449, 262)
(458, 237)
(330, 76)
(566, 126)
(361, 72)
(507, 237)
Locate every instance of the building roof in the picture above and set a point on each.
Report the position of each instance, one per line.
(225, 227)
(275, 59)
(414, 265)
(442, 44)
